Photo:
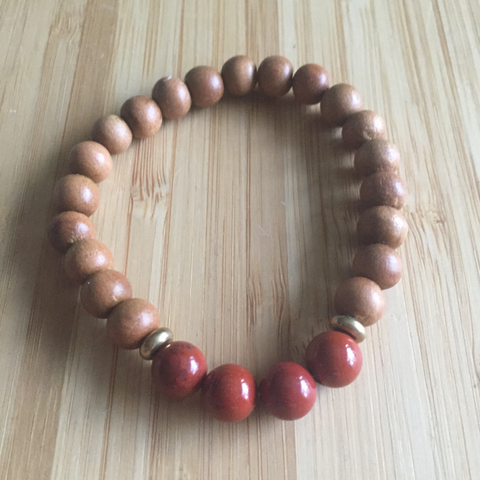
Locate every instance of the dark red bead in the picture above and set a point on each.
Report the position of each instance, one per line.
(334, 359)
(288, 391)
(179, 369)
(229, 393)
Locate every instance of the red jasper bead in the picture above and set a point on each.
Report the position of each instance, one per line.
(334, 359)
(179, 369)
(228, 393)
(288, 391)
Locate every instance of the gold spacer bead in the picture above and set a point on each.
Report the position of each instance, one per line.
(350, 326)
(154, 342)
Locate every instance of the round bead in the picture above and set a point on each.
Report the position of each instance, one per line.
(379, 263)
(339, 102)
(383, 188)
(130, 322)
(86, 257)
(309, 83)
(334, 359)
(90, 159)
(228, 393)
(382, 224)
(67, 228)
(172, 96)
(239, 75)
(275, 76)
(142, 116)
(104, 290)
(76, 193)
(361, 298)
(154, 342)
(113, 133)
(205, 85)
(288, 391)
(179, 369)
(350, 326)
(361, 127)
(377, 155)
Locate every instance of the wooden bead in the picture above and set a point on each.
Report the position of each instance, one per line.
(383, 188)
(67, 228)
(379, 263)
(309, 83)
(360, 298)
(360, 127)
(377, 155)
(275, 76)
(76, 193)
(130, 322)
(339, 102)
(382, 224)
(104, 290)
(172, 96)
(86, 257)
(113, 133)
(239, 75)
(205, 85)
(142, 116)
(90, 159)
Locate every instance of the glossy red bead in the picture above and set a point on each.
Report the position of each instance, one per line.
(228, 393)
(179, 369)
(334, 359)
(288, 391)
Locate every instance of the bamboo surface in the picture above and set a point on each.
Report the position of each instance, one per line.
(238, 222)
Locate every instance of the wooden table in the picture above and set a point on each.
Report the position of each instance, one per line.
(238, 223)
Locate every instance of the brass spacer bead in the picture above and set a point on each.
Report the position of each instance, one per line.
(154, 342)
(350, 326)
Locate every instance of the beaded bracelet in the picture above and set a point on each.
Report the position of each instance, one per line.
(179, 369)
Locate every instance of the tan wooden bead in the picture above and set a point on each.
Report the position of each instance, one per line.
(275, 76)
(377, 155)
(90, 159)
(67, 228)
(309, 83)
(383, 188)
(360, 298)
(113, 133)
(104, 290)
(205, 85)
(382, 224)
(239, 75)
(360, 127)
(339, 102)
(172, 96)
(142, 115)
(76, 193)
(86, 257)
(379, 263)
(130, 322)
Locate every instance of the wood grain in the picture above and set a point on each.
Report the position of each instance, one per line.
(238, 223)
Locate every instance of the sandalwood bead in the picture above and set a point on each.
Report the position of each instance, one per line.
(172, 96)
(86, 257)
(379, 263)
(360, 127)
(339, 102)
(205, 85)
(129, 323)
(104, 290)
(382, 224)
(113, 133)
(275, 76)
(67, 228)
(360, 298)
(239, 75)
(309, 83)
(90, 159)
(383, 188)
(76, 193)
(377, 155)
(142, 116)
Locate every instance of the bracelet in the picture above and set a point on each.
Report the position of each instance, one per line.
(179, 369)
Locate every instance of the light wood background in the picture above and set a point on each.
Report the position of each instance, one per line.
(238, 223)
